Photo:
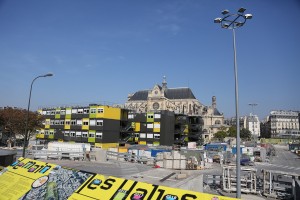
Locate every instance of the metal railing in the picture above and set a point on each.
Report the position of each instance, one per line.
(129, 158)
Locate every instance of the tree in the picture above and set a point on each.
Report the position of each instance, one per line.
(220, 135)
(245, 134)
(14, 120)
(232, 131)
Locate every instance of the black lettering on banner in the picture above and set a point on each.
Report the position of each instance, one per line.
(153, 191)
(161, 193)
(185, 196)
(95, 182)
(108, 183)
(87, 182)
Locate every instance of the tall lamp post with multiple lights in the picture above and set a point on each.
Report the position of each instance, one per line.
(27, 117)
(233, 21)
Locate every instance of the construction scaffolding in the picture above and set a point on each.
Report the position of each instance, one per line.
(279, 184)
(248, 179)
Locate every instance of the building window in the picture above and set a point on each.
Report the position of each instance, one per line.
(156, 125)
(51, 132)
(46, 132)
(74, 111)
(79, 122)
(72, 133)
(130, 116)
(56, 122)
(68, 122)
(73, 122)
(85, 134)
(99, 135)
(85, 123)
(52, 112)
(86, 111)
(100, 110)
(91, 135)
(156, 136)
(68, 112)
(80, 111)
(150, 116)
(62, 122)
(93, 110)
(63, 112)
(157, 116)
(149, 135)
(57, 112)
(142, 135)
(67, 133)
(92, 122)
(149, 125)
(78, 134)
(99, 123)
(51, 122)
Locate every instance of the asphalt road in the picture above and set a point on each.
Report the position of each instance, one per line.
(284, 160)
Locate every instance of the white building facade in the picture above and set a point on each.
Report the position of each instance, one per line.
(284, 123)
(252, 123)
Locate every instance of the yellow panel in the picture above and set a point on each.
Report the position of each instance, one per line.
(67, 127)
(123, 150)
(137, 126)
(85, 127)
(109, 112)
(156, 130)
(142, 142)
(40, 136)
(106, 145)
(47, 124)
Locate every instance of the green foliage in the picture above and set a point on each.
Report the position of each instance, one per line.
(232, 131)
(245, 134)
(13, 120)
(220, 135)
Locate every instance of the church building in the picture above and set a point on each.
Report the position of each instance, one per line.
(179, 100)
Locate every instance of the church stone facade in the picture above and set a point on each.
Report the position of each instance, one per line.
(179, 100)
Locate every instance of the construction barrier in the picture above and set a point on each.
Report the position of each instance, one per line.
(31, 179)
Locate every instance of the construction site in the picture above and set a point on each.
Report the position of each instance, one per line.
(210, 169)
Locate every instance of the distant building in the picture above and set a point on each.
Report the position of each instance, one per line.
(252, 123)
(284, 123)
(232, 121)
(179, 100)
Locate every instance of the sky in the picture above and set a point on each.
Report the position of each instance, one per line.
(101, 51)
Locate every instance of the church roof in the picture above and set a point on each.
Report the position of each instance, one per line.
(170, 93)
(216, 112)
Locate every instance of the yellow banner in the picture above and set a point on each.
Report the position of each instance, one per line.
(28, 179)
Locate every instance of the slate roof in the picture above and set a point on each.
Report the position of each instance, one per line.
(170, 93)
(216, 112)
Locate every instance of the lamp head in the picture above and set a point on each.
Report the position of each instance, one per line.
(241, 10)
(248, 16)
(49, 74)
(225, 25)
(218, 20)
(225, 12)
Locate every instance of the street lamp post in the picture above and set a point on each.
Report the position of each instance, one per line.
(233, 21)
(27, 116)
